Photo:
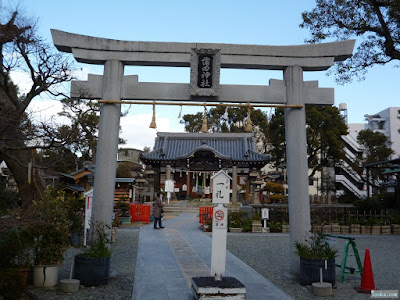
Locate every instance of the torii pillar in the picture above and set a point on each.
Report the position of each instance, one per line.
(296, 162)
(107, 144)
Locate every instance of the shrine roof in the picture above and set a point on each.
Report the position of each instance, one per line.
(238, 147)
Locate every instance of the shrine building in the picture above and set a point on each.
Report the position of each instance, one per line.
(190, 159)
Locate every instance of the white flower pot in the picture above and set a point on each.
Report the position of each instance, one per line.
(45, 276)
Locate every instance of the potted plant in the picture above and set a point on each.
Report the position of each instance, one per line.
(386, 228)
(285, 227)
(395, 221)
(315, 254)
(235, 223)
(355, 226)
(93, 265)
(344, 227)
(208, 225)
(335, 227)
(51, 238)
(16, 243)
(124, 217)
(275, 226)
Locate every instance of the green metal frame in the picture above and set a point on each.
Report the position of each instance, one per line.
(343, 266)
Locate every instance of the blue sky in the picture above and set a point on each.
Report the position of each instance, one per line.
(262, 22)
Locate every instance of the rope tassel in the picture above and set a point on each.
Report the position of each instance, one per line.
(204, 127)
(153, 120)
(249, 126)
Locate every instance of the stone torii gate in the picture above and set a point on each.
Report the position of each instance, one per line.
(205, 61)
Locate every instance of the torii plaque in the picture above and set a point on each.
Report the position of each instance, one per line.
(113, 85)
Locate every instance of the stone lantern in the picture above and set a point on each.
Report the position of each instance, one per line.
(252, 178)
(141, 185)
(149, 174)
(257, 184)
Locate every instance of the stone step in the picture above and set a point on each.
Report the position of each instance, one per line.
(181, 209)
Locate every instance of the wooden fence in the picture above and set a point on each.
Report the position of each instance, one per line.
(321, 215)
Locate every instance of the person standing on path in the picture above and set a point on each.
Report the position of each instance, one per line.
(157, 211)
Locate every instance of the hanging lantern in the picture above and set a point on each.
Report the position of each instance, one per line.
(153, 120)
(249, 126)
(204, 127)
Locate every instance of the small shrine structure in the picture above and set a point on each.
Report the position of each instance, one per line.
(190, 159)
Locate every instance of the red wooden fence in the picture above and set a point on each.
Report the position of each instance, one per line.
(205, 213)
(139, 212)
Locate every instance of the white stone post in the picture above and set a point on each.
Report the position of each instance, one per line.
(220, 195)
(297, 166)
(107, 144)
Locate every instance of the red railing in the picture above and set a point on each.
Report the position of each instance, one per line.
(139, 212)
(205, 213)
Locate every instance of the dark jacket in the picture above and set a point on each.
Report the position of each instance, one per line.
(157, 207)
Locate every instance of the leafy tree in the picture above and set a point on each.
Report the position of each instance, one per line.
(375, 22)
(84, 116)
(146, 149)
(324, 128)
(23, 51)
(376, 145)
(128, 169)
(277, 139)
(376, 149)
(229, 119)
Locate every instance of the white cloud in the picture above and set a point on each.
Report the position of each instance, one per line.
(136, 131)
(22, 80)
(46, 111)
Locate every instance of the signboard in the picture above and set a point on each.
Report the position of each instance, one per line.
(220, 217)
(205, 65)
(218, 250)
(265, 213)
(221, 185)
(169, 186)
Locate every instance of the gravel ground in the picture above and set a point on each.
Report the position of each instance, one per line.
(269, 255)
(123, 261)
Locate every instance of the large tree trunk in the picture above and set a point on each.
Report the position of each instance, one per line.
(17, 162)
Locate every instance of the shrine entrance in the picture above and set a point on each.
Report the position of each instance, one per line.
(205, 62)
(192, 158)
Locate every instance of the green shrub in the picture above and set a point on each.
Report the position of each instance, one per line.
(369, 204)
(11, 284)
(238, 219)
(275, 226)
(256, 217)
(247, 224)
(395, 217)
(124, 207)
(99, 245)
(51, 237)
(275, 187)
(276, 198)
(315, 248)
(209, 222)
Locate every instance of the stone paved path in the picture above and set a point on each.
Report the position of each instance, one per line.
(168, 258)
